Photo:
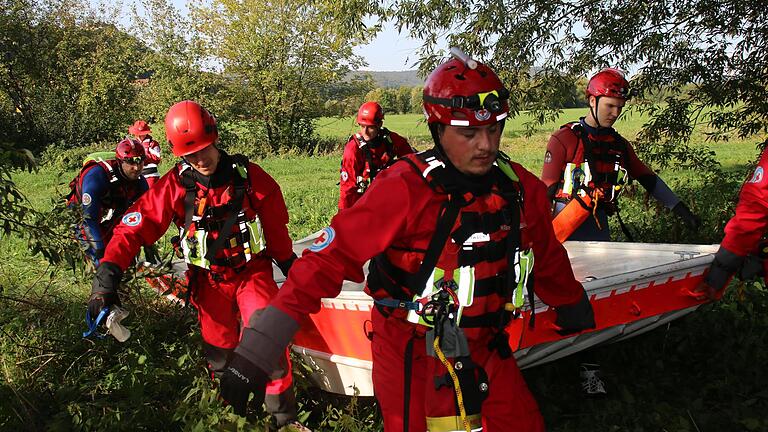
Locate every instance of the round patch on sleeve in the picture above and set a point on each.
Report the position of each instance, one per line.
(132, 219)
(757, 177)
(344, 176)
(547, 157)
(87, 199)
(326, 238)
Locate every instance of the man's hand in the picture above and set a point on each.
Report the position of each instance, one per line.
(285, 266)
(704, 291)
(104, 288)
(716, 278)
(683, 212)
(576, 317)
(240, 379)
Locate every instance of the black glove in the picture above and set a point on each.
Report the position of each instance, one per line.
(576, 317)
(240, 379)
(285, 266)
(104, 288)
(152, 255)
(723, 267)
(683, 212)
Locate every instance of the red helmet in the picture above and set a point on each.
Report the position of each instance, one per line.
(189, 128)
(370, 114)
(140, 127)
(608, 82)
(131, 150)
(458, 95)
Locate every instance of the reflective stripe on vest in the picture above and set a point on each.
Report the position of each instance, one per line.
(196, 247)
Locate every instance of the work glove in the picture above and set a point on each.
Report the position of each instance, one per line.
(152, 255)
(285, 266)
(720, 272)
(575, 317)
(104, 288)
(683, 212)
(240, 379)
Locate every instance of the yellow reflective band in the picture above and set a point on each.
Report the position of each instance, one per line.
(454, 424)
(523, 268)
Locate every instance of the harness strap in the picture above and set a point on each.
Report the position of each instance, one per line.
(624, 227)
(235, 207)
(187, 176)
(368, 153)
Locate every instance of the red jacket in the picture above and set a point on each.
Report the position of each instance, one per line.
(750, 223)
(354, 163)
(148, 219)
(401, 210)
(566, 146)
(151, 150)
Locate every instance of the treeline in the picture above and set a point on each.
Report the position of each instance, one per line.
(408, 99)
(71, 77)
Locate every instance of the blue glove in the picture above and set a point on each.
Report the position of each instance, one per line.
(240, 379)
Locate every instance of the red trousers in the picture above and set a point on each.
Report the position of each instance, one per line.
(509, 406)
(225, 303)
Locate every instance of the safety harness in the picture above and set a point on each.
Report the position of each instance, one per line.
(389, 149)
(601, 165)
(76, 185)
(435, 299)
(201, 219)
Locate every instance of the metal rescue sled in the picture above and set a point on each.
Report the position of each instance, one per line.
(633, 287)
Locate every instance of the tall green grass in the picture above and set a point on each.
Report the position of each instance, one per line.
(704, 372)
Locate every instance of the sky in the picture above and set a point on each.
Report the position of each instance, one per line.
(390, 51)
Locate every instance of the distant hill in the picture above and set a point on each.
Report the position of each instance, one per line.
(393, 79)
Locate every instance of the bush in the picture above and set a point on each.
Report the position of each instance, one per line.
(64, 158)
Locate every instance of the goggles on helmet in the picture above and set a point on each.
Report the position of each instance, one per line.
(133, 160)
(492, 101)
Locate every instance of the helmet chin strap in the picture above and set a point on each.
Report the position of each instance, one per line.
(594, 111)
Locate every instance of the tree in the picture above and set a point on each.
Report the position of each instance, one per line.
(65, 76)
(176, 64)
(716, 46)
(416, 101)
(285, 53)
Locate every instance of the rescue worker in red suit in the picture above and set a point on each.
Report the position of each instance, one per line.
(105, 189)
(232, 221)
(450, 222)
(140, 129)
(589, 161)
(744, 248)
(367, 153)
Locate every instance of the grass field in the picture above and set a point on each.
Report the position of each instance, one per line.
(704, 372)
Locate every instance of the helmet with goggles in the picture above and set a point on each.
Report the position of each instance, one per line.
(130, 150)
(464, 92)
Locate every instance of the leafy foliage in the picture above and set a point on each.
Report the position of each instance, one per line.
(714, 49)
(65, 76)
(284, 59)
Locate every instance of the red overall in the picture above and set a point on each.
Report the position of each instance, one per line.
(152, 152)
(750, 223)
(405, 211)
(355, 166)
(229, 293)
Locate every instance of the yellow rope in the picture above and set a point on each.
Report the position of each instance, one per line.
(456, 386)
